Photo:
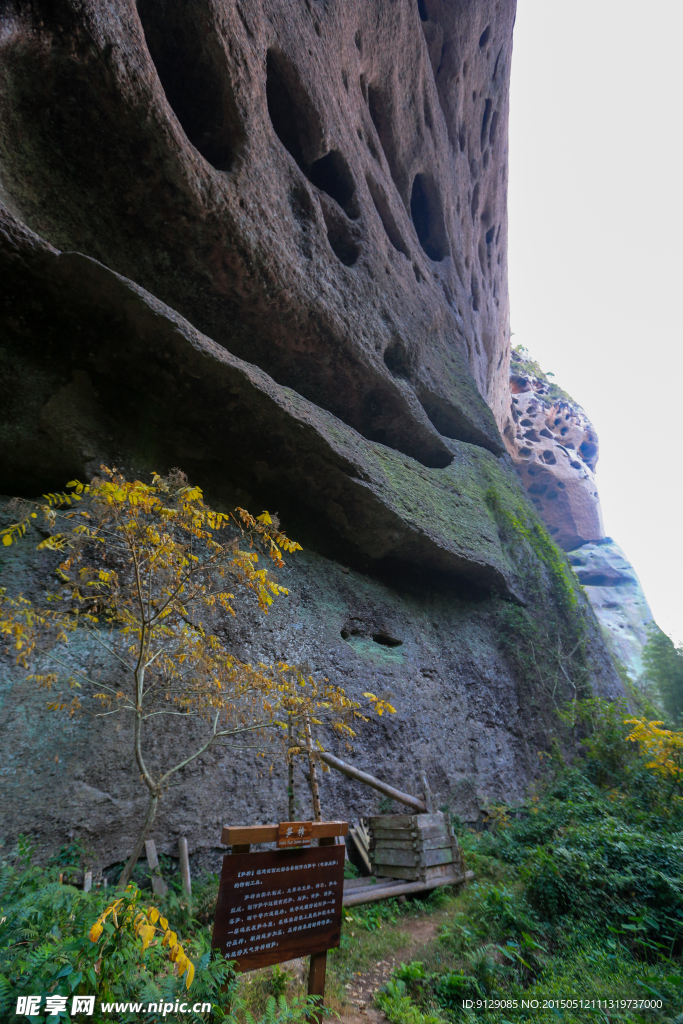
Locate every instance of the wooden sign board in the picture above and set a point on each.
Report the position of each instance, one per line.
(294, 833)
(278, 905)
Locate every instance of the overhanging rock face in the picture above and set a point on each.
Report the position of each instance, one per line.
(97, 369)
(266, 242)
(318, 187)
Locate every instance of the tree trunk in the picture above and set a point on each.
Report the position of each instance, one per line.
(290, 772)
(315, 789)
(144, 832)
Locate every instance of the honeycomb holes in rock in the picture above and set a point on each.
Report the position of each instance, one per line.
(193, 71)
(382, 638)
(298, 126)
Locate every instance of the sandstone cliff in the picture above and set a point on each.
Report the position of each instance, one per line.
(267, 242)
(554, 448)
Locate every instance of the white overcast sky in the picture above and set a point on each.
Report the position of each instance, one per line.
(596, 226)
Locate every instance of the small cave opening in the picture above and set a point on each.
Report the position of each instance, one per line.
(332, 174)
(546, 433)
(484, 37)
(427, 212)
(385, 640)
(549, 458)
(422, 10)
(195, 76)
(526, 423)
(397, 360)
(385, 214)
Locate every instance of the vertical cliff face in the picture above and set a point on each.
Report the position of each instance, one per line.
(614, 590)
(266, 242)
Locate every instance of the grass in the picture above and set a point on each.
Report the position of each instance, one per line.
(578, 896)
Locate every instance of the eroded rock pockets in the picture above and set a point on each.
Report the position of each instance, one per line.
(273, 177)
(554, 448)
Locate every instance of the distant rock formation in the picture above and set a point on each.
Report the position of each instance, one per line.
(554, 448)
(615, 592)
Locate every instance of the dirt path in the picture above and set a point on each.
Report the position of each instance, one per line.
(361, 990)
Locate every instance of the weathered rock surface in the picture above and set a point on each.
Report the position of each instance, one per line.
(620, 605)
(96, 369)
(267, 243)
(319, 187)
(554, 448)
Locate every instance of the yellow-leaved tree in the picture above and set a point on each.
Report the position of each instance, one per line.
(146, 571)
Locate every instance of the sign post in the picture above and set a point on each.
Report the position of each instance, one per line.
(277, 905)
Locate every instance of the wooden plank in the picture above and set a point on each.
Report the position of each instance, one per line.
(184, 858)
(395, 833)
(433, 832)
(87, 881)
(430, 820)
(385, 892)
(358, 837)
(407, 858)
(440, 843)
(394, 821)
(268, 833)
(395, 871)
(370, 780)
(439, 871)
(158, 885)
(396, 844)
(294, 833)
(434, 857)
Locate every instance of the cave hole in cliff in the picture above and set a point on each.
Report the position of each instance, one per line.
(397, 360)
(385, 214)
(549, 457)
(385, 640)
(427, 212)
(332, 174)
(194, 73)
(484, 37)
(422, 9)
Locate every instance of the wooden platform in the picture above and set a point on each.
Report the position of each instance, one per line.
(368, 890)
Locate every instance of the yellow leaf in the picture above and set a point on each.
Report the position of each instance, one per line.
(146, 933)
(189, 976)
(153, 914)
(163, 923)
(7, 540)
(265, 518)
(95, 931)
